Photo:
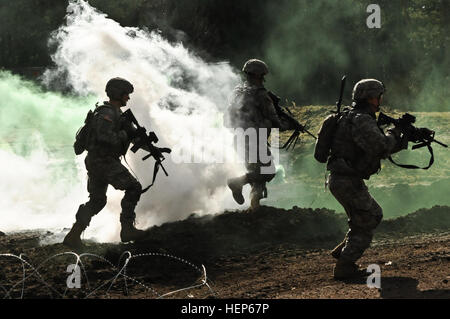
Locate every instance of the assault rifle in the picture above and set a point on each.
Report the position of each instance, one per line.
(341, 95)
(146, 142)
(289, 117)
(421, 137)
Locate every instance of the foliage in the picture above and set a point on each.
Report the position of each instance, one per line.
(307, 44)
(399, 191)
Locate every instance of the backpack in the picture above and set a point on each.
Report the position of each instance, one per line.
(83, 134)
(325, 138)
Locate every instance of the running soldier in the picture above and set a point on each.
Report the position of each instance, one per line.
(252, 107)
(357, 147)
(109, 138)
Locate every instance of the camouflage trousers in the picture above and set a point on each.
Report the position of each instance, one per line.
(259, 172)
(364, 214)
(101, 173)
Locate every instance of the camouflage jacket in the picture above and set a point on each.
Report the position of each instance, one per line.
(110, 135)
(251, 106)
(359, 144)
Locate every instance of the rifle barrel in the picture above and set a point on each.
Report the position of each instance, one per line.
(164, 170)
(440, 143)
(308, 132)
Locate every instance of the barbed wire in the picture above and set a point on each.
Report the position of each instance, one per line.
(120, 269)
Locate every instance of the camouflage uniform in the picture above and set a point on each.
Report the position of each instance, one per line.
(107, 136)
(252, 107)
(357, 148)
(110, 138)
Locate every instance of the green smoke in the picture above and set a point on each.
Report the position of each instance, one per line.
(307, 44)
(315, 42)
(306, 47)
(41, 180)
(28, 109)
(319, 41)
(399, 191)
(33, 119)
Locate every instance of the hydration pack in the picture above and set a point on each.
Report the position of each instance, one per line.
(83, 135)
(325, 138)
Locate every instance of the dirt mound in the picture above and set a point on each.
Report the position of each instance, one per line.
(274, 253)
(435, 219)
(235, 232)
(238, 232)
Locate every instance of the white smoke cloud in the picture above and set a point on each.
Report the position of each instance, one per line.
(35, 193)
(177, 95)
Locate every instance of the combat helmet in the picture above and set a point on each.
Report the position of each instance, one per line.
(256, 67)
(367, 88)
(117, 87)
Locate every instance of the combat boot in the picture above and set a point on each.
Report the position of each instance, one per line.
(256, 195)
(336, 252)
(129, 232)
(236, 184)
(72, 239)
(347, 270)
(254, 203)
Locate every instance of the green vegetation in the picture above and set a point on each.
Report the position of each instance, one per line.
(399, 191)
(307, 44)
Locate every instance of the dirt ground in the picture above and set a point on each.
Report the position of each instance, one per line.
(269, 264)
(414, 267)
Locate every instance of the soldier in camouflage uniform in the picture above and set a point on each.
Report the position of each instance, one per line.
(110, 137)
(357, 148)
(252, 107)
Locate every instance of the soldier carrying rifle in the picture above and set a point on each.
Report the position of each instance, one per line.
(353, 148)
(252, 106)
(106, 136)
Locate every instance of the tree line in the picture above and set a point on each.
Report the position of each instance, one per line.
(307, 44)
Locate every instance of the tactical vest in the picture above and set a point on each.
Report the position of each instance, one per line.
(244, 110)
(346, 157)
(95, 148)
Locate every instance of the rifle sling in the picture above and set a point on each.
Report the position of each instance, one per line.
(292, 139)
(430, 149)
(155, 172)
